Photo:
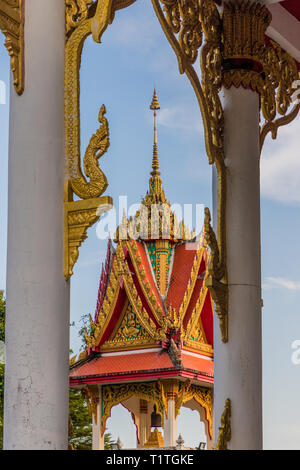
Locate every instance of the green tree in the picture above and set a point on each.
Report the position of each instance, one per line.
(108, 441)
(2, 338)
(80, 423)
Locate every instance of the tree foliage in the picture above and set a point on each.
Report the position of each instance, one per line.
(2, 316)
(80, 423)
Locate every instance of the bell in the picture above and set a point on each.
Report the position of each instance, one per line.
(155, 419)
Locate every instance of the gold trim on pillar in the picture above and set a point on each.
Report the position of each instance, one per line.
(225, 428)
(251, 63)
(244, 26)
(213, 280)
(12, 26)
(273, 126)
(91, 394)
(169, 390)
(181, 392)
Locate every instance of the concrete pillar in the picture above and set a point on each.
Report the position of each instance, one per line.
(97, 438)
(238, 363)
(170, 426)
(37, 323)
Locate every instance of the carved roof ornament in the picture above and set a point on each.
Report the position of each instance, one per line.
(154, 220)
(12, 26)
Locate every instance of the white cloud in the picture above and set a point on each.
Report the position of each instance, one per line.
(280, 165)
(181, 117)
(274, 282)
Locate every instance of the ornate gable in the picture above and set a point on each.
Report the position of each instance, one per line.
(129, 332)
(152, 290)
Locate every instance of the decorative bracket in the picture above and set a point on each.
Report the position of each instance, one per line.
(83, 18)
(225, 428)
(216, 279)
(92, 396)
(12, 26)
(79, 216)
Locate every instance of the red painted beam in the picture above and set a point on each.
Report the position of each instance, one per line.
(293, 7)
(143, 375)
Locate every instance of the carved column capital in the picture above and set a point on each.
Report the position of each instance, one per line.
(244, 27)
(253, 61)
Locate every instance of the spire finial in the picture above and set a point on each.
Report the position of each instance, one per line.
(155, 164)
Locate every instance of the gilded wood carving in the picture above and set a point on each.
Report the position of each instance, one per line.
(83, 18)
(251, 63)
(225, 428)
(182, 392)
(12, 26)
(112, 395)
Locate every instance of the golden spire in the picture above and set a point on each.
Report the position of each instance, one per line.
(155, 181)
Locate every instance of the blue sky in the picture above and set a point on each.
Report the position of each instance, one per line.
(121, 72)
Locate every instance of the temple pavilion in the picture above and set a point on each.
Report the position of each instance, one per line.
(150, 345)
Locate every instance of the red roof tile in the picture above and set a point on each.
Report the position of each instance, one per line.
(182, 265)
(149, 275)
(137, 366)
(141, 250)
(197, 363)
(124, 363)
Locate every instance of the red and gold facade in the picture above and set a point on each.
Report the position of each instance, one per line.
(151, 340)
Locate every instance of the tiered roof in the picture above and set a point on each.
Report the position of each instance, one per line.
(154, 315)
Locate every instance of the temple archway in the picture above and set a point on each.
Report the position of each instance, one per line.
(121, 425)
(191, 428)
(195, 414)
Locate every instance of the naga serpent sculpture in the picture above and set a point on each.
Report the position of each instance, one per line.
(83, 18)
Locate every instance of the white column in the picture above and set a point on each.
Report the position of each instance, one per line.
(170, 426)
(238, 363)
(37, 323)
(97, 439)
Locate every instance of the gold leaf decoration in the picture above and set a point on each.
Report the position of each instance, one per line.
(12, 17)
(225, 428)
(215, 280)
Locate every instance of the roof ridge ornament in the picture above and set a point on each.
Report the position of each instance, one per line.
(155, 182)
